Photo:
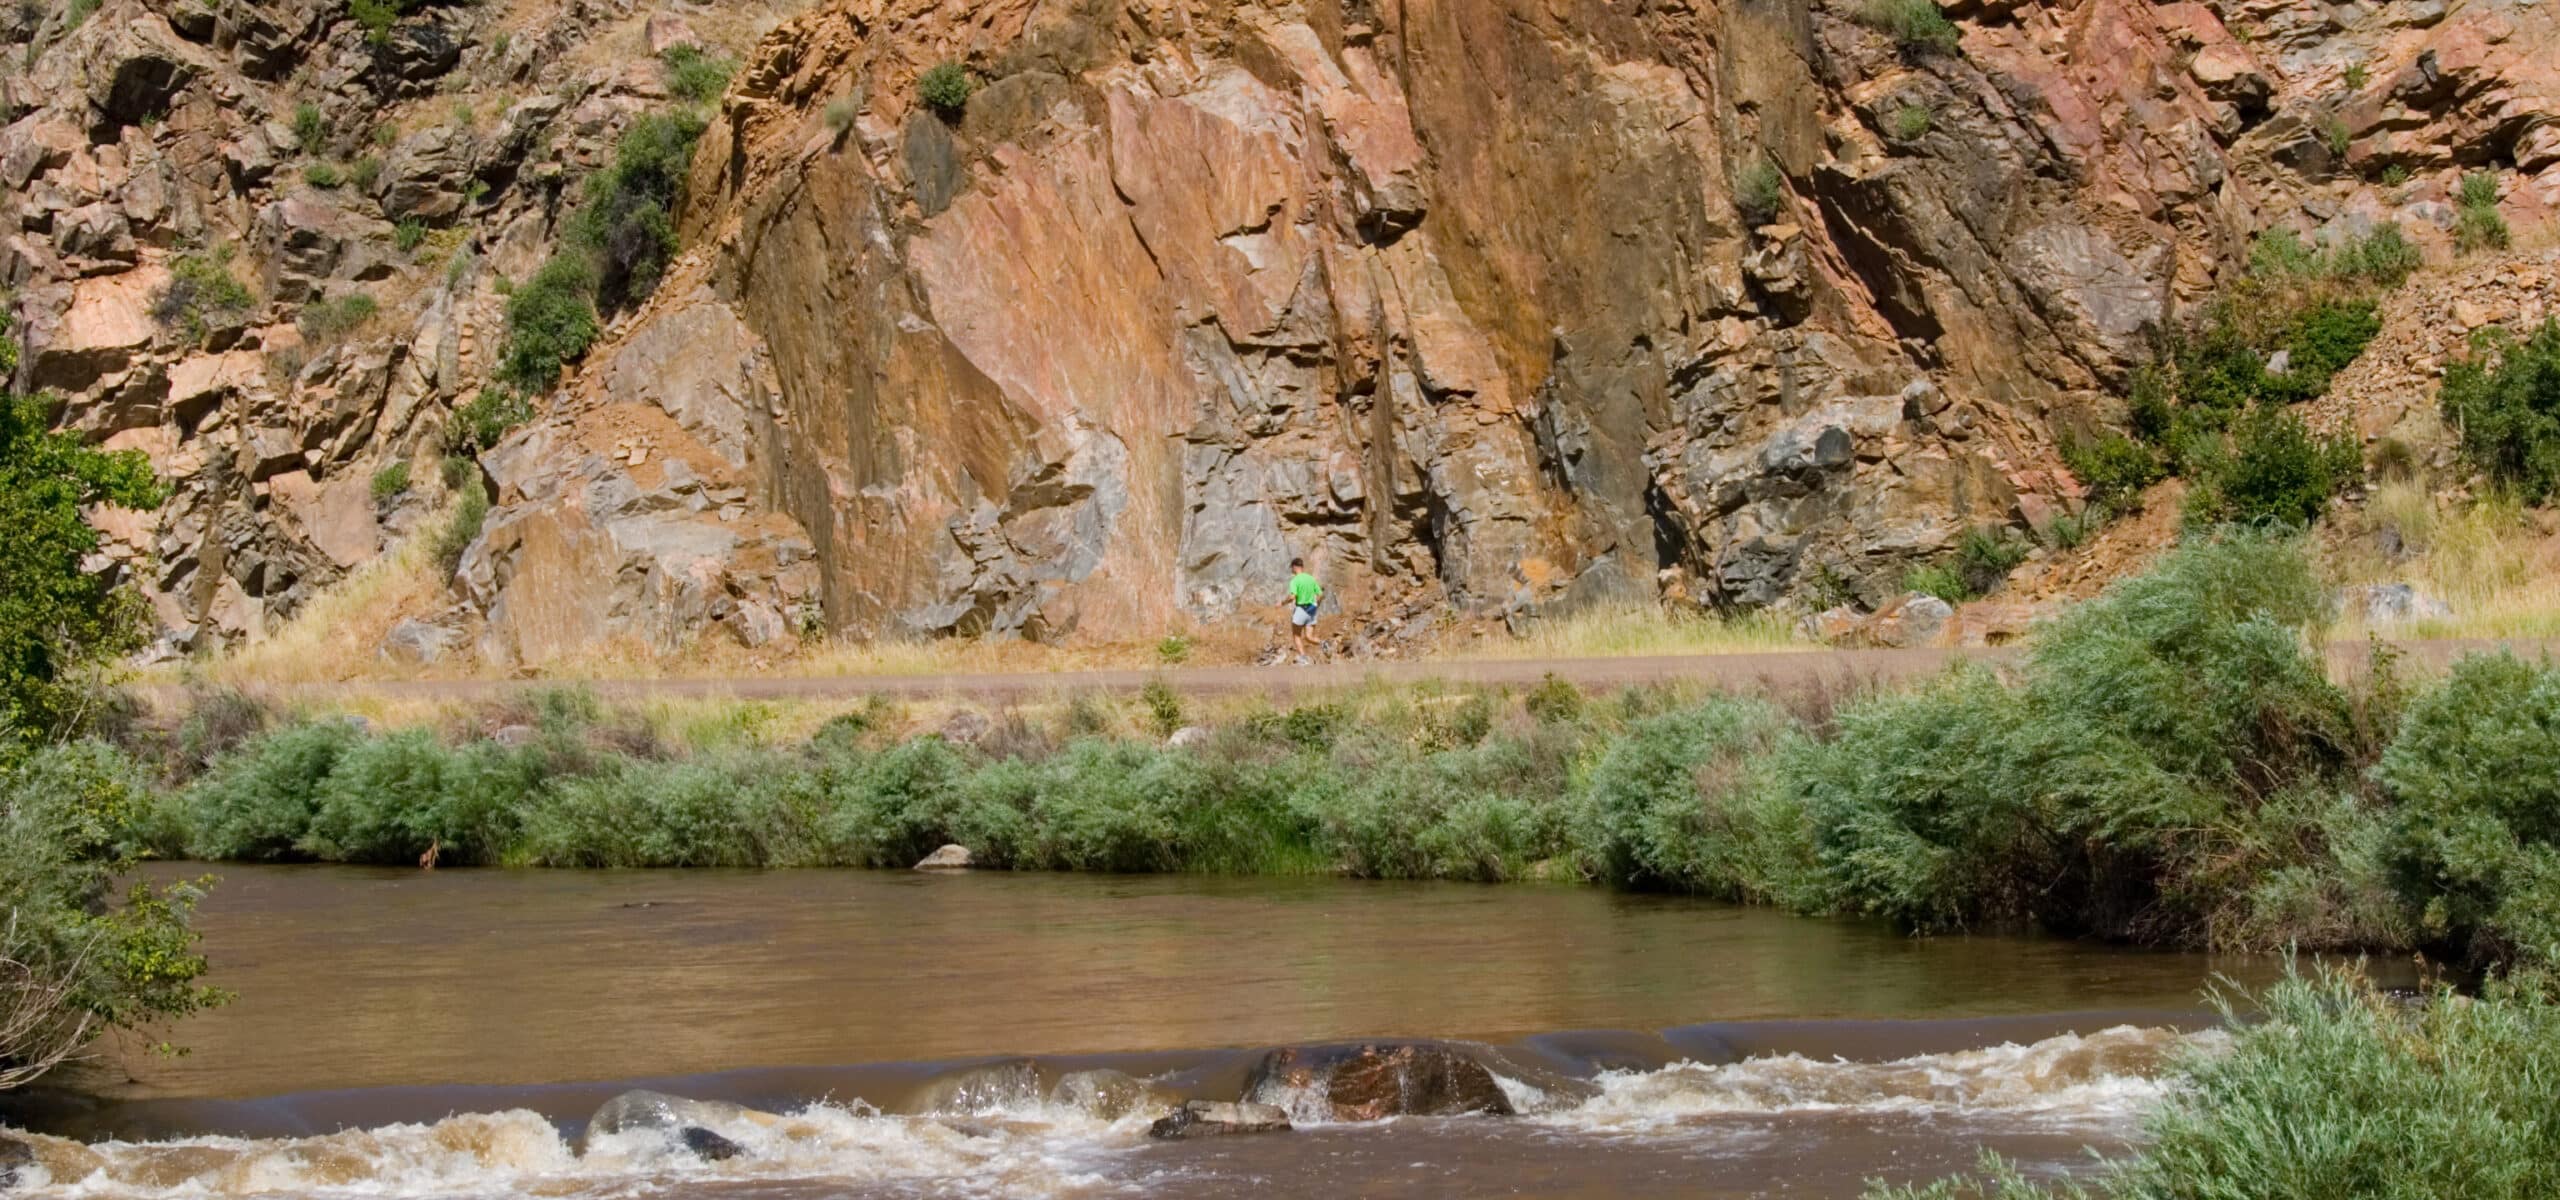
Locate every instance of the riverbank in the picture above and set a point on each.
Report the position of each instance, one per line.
(2169, 764)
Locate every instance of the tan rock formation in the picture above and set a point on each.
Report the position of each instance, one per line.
(1467, 301)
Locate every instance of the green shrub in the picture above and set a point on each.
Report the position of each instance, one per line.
(2477, 223)
(1758, 190)
(695, 76)
(2276, 471)
(470, 512)
(628, 221)
(2336, 136)
(310, 129)
(1986, 554)
(1174, 650)
(377, 17)
(72, 964)
(1945, 581)
(328, 320)
(2114, 469)
(945, 88)
(2475, 770)
(2355, 76)
(2395, 175)
(551, 320)
(1910, 122)
(257, 803)
(2506, 405)
(841, 114)
(2108, 791)
(201, 289)
(1164, 707)
(1554, 700)
(1915, 25)
(408, 234)
(391, 482)
(486, 419)
(1672, 804)
(2070, 531)
(322, 175)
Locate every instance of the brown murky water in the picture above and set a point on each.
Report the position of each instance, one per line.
(402, 1033)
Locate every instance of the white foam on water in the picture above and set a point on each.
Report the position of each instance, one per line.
(2108, 1079)
(997, 1137)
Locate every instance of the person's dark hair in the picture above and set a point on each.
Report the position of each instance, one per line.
(1296, 563)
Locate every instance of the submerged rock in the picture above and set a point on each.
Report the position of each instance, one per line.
(709, 1146)
(690, 1122)
(1376, 1081)
(1103, 1092)
(1214, 1118)
(15, 1157)
(954, 857)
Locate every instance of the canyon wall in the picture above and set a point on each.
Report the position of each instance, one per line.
(1486, 306)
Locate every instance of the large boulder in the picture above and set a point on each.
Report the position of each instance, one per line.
(1374, 1081)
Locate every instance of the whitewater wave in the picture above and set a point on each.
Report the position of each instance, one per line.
(999, 1134)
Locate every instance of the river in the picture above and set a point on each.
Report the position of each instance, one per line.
(402, 1033)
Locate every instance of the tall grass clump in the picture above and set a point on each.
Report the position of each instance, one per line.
(1915, 25)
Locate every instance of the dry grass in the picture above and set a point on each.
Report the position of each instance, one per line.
(1633, 630)
(2495, 563)
(338, 635)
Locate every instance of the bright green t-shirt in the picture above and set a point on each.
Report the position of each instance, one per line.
(1303, 589)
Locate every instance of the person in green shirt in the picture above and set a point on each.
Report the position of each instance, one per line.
(1304, 595)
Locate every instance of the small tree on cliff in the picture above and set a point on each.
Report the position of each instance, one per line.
(56, 616)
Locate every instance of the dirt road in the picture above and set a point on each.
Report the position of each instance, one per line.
(1748, 671)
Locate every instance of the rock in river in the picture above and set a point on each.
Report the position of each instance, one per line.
(953, 857)
(1375, 1081)
(694, 1123)
(15, 1157)
(1213, 1118)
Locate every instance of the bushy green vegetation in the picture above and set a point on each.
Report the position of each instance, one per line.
(2506, 404)
(695, 76)
(470, 512)
(2475, 773)
(72, 965)
(551, 321)
(55, 616)
(484, 420)
(1915, 25)
(391, 482)
(328, 320)
(2169, 764)
(1758, 190)
(628, 222)
(2271, 470)
(201, 290)
(2213, 408)
(2333, 1090)
(1910, 122)
(407, 234)
(2477, 224)
(377, 17)
(619, 243)
(1983, 559)
(310, 128)
(945, 88)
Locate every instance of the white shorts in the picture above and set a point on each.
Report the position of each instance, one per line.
(1302, 615)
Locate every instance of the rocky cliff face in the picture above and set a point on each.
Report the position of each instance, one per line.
(1480, 304)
